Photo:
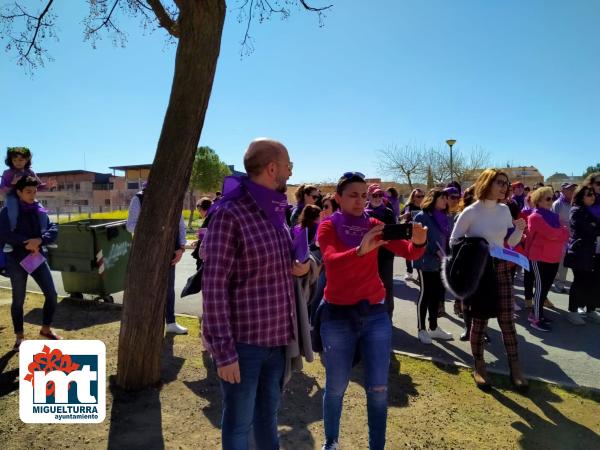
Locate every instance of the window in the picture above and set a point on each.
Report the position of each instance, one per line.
(107, 202)
(133, 185)
(77, 187)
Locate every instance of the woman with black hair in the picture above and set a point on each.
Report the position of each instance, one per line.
(433, 216)
(24, 239)
(353, 316)
(583, 255)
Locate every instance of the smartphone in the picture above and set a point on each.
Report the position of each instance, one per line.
(397, 231)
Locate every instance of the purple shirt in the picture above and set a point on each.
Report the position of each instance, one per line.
(247, 283)
(8, 175)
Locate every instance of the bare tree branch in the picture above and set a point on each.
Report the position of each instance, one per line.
(27, 42)
(311, 8)
(164, 19)
(106, 22)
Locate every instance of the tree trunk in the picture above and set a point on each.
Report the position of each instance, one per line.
(192, 208)
(142, 323)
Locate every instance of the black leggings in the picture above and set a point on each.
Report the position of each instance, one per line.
(432, 294)
(543, 274)
(584, 290)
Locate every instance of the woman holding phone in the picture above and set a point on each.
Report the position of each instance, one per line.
(353, 315)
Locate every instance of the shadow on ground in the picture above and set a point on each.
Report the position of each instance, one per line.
(73, 314)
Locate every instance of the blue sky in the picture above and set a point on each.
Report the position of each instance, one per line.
(518, 78)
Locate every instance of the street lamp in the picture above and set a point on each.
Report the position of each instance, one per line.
(450, 143)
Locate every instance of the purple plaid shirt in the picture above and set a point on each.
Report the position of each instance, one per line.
(247, 283)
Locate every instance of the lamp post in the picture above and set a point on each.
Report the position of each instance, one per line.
(450, 143)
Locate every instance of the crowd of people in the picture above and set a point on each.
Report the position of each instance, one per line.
(280, 282)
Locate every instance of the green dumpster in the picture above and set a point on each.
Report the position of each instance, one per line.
(92, 257)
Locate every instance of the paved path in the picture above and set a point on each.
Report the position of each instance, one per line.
(568, 355)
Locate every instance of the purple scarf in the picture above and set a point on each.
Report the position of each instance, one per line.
(563, 199)
(272, 203)
(31, 207)
(595, 208)
(441, 219)
(550, 217)
(350, 229)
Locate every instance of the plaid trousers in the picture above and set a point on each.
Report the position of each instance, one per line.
(506, 320)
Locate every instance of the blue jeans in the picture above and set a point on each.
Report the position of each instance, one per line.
(18, 281)
(255, 400)
(341, 338)
(170, 304)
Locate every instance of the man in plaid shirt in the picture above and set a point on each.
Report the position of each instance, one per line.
(248, 296)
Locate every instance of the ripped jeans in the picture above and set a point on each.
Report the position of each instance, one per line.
(371, 335)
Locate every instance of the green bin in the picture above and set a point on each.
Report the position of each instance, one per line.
(92, 256)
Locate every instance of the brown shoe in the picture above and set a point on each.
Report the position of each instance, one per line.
(481, 378)
(517, 379)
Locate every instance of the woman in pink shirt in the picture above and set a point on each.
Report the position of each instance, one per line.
(544, 246)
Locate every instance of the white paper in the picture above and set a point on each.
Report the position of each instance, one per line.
(509, 255)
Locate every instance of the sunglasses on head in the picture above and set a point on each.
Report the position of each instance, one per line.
(353, 174)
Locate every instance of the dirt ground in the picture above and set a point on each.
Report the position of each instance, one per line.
(431, 406)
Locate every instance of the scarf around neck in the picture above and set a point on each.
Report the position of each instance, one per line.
(350, 229)
(550, 217)
(270, 202)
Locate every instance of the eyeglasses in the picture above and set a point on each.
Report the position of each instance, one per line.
(290, 166)
(596, 183)
(326, 206)
(500, 182)
(353, 174)
(589, 194)
(419, 196)
(377, 195)
(548, 199)
(455, 197)
(314, 197)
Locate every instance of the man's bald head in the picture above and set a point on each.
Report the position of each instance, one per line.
(261, 152)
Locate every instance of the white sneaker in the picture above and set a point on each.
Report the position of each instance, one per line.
(176, 328)
(424, 337)
(581, 311)
(438, 333)
(575, 318)
(408, 277)
(593, 316)
(331, 445)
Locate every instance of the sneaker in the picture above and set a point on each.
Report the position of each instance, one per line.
(408, 277)
(424, 337)
(545, 319)
(548, 303)
(540, 325)
(593, 316)
(331, 444)
(528, 303)
(176, 328)
(531, 317)
(575, 318)
(438, 333)
(517, 307)
(581, 311)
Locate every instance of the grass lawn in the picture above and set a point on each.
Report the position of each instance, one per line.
(431, 406)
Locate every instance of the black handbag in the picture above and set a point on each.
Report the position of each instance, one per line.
(194, 283)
